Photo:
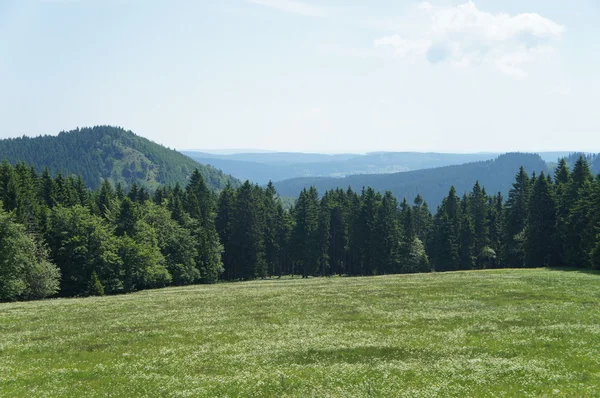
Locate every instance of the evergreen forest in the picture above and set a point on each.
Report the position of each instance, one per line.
(58, 237)
(108, 153)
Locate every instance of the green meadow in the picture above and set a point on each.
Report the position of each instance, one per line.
(480, 333)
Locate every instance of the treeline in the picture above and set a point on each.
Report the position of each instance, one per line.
(57, 237)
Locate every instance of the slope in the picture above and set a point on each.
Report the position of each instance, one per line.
(496, 175)
(484, 333)
(105, 152)
(262, 167)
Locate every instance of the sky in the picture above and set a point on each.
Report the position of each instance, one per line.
(306, 75)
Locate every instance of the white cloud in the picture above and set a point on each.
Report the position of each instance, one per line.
(464, 36)
(292, 6)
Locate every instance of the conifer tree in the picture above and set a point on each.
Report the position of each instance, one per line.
(388, 251)
(445, 241)
(248, 255)
(224, 223)
(575, 203)
(306, 232)
(127, 218)
(270, 234)
(285, 226)
(370, 202)
(105, 198)
(540, 237)
(325, 209)
(478, 213)
(467, 238)
(356, 239)
(516, 215)
(200, 204)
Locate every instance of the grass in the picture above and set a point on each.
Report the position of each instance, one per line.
(485, 333)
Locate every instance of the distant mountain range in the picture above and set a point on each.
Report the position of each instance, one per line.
(262, 167)
(112, 153)
(496, 175)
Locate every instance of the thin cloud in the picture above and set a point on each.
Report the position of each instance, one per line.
(464, 36)
(291, 6)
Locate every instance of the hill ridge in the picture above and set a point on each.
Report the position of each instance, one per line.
(108, 152)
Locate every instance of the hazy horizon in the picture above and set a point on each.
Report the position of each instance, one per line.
(232, 151)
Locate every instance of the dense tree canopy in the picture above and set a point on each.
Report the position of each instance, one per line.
(108, 153)
(58, 237)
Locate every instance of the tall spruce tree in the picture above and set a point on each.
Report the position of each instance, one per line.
(247, 240)
(200, 204)
(540, 237)
(224, 223)
(270, 234)
(516, 215)
(445, 243)
(306, 233)
(575, 202)
(388, 251)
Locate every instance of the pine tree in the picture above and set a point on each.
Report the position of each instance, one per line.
(285, 226)
(47, 189)
(127, 218)
(516, 213)
(389, 253)
(478, 208)
(445, 243)
(540, 237)
(325, 209)
(270, 234)
(248, 254)
(224, 223)
(370, 202)
(495, 220)
(306, 232)
(356, 238)
(573, 209)
(105, 198)
(200, 204)
(467, 238)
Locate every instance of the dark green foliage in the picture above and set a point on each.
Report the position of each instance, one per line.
(306, 235)
(272, 247)
(247, 257)
(112, 153)
(80, 244)
(516, 212)
(114, 240)
(540, 235)
(200, 204)
(24, 269)
(445, 250)
(574, 209)
(176, 244)
(390, 253)
(224, 224)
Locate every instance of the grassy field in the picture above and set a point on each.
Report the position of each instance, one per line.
(486, 333)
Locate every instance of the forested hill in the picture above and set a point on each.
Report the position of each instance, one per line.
(593, 159)
(264, 167)
(105, 152)
(496, 175)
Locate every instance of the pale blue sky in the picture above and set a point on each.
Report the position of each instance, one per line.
(329, 75)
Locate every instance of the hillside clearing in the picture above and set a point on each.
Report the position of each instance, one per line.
(483, 333)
